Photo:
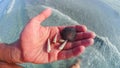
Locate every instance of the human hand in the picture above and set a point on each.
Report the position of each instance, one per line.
(34, 38)
(8, 65)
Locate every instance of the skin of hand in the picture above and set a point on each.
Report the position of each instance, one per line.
(7, 65)
(32, 44)
(34, 36)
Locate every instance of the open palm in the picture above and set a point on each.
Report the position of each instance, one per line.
(34, 41)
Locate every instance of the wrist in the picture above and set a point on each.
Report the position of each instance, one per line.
(16, 52)
(11, 53)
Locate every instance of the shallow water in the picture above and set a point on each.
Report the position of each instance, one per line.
(101, 16)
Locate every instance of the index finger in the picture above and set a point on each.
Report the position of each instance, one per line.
(65, 54)
(79, 28)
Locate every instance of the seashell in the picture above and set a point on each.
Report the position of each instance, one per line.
(48, 46)
(62, 45)
(61, 40)
(68, 33)
(55, 39)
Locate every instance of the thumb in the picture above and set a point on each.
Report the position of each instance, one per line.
(42, 16)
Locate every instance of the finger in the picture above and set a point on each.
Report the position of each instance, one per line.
(84, 35)
(65, 54)
(79, 28)
(84, 42)
(42, 16)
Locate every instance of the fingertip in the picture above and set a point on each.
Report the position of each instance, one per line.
(92, 34)
(82, 48)
(82, 28)
(49, 9)
(78, 50)
(43, 15)
(88, 42)
(91, 41)
(47, 12)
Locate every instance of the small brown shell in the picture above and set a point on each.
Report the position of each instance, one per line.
(68, 33)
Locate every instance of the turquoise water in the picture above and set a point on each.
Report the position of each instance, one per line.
(100, 16)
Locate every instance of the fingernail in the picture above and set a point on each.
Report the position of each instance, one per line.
(63, 45)
(48, 46)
